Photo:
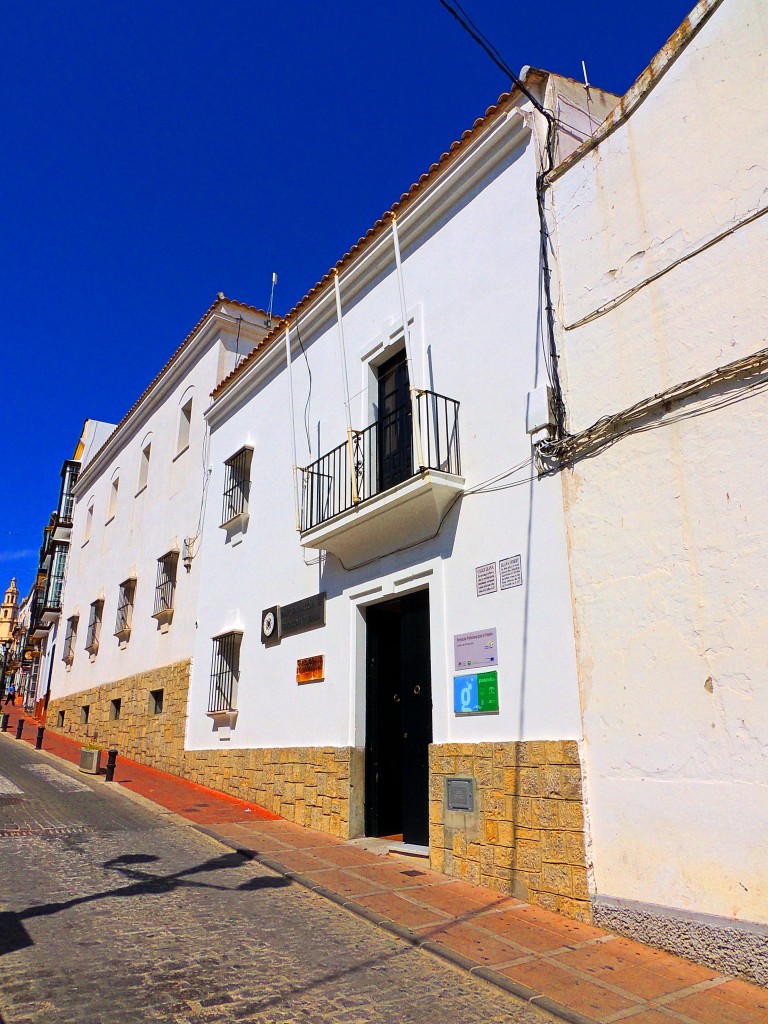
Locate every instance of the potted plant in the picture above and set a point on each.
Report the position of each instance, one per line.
(90, 758)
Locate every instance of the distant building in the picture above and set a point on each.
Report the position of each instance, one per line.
(8, 611)
(54, 560)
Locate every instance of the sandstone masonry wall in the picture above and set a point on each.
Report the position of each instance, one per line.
(525, 836)
(309, 785)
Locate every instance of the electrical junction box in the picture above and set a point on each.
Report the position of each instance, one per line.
(460, 794)
(538, 410)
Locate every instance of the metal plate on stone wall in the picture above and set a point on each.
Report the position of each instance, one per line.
(460, 794)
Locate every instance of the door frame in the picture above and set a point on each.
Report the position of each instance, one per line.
(428, 575)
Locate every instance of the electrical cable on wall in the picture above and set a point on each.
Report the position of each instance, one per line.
(651, 413)
(612, 304)
(309, 391)
(205, 447)
(237, 340)
(558, 404)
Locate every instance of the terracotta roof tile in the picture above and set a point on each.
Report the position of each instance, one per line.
(372, 232)
(220, 300)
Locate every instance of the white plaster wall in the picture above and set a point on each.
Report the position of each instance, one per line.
(668, 528)
(472, 288)
(147, 524)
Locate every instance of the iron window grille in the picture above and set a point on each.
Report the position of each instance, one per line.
(70, 638)
(94, 627)
(225, 672)
(125, 599)
(167, 567)
(237, 485)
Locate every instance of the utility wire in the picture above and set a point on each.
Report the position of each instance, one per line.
(309, 392)
(607, 307)
(458, 12)
(656, 410)
(558, 404)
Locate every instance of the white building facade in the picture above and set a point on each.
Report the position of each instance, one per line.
(385, 642)
(663, 246)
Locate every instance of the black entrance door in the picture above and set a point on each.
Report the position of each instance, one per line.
(395, 426)
(398, 719)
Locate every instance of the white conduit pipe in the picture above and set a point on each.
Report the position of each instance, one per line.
(408, 351)
(345, 383)
(293, 423)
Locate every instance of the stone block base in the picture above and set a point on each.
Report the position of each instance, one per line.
(312, 786)
(525, 835)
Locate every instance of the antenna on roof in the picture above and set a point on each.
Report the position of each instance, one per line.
(268, 321)
(589, 96)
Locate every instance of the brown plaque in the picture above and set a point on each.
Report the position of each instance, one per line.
(310, 670)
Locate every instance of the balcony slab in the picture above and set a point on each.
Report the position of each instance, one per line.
(404, 515)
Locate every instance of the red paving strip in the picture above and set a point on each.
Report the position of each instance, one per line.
(188, 799)
(582, 974)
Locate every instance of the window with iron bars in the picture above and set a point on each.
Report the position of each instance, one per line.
(225, 672)
(94, 627)
(125, 599)
(167, 567)
(70, 638)
(237, 485)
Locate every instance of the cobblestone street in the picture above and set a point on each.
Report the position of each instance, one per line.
(114, 913)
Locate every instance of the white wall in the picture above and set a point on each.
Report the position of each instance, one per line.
(148, 522)
(471, 286)
(667, 528)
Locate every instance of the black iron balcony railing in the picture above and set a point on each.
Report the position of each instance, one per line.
(383, 455)
(56, 575)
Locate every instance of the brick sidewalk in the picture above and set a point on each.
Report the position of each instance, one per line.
(578, 972)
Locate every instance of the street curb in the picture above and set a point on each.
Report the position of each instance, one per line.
(458, 960)
(116, 789)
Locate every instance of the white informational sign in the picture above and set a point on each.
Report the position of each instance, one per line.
(485, 578)
(475, 650)
(511, 572)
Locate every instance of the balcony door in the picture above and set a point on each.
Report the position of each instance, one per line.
(395, 423)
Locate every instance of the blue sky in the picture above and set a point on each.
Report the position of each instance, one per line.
(156, 154)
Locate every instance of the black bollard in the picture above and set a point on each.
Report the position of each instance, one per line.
(4, 722)
(39, 740)
(111, 762)
(19, 728)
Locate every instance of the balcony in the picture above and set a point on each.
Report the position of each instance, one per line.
(388, 486)
(51, 608)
